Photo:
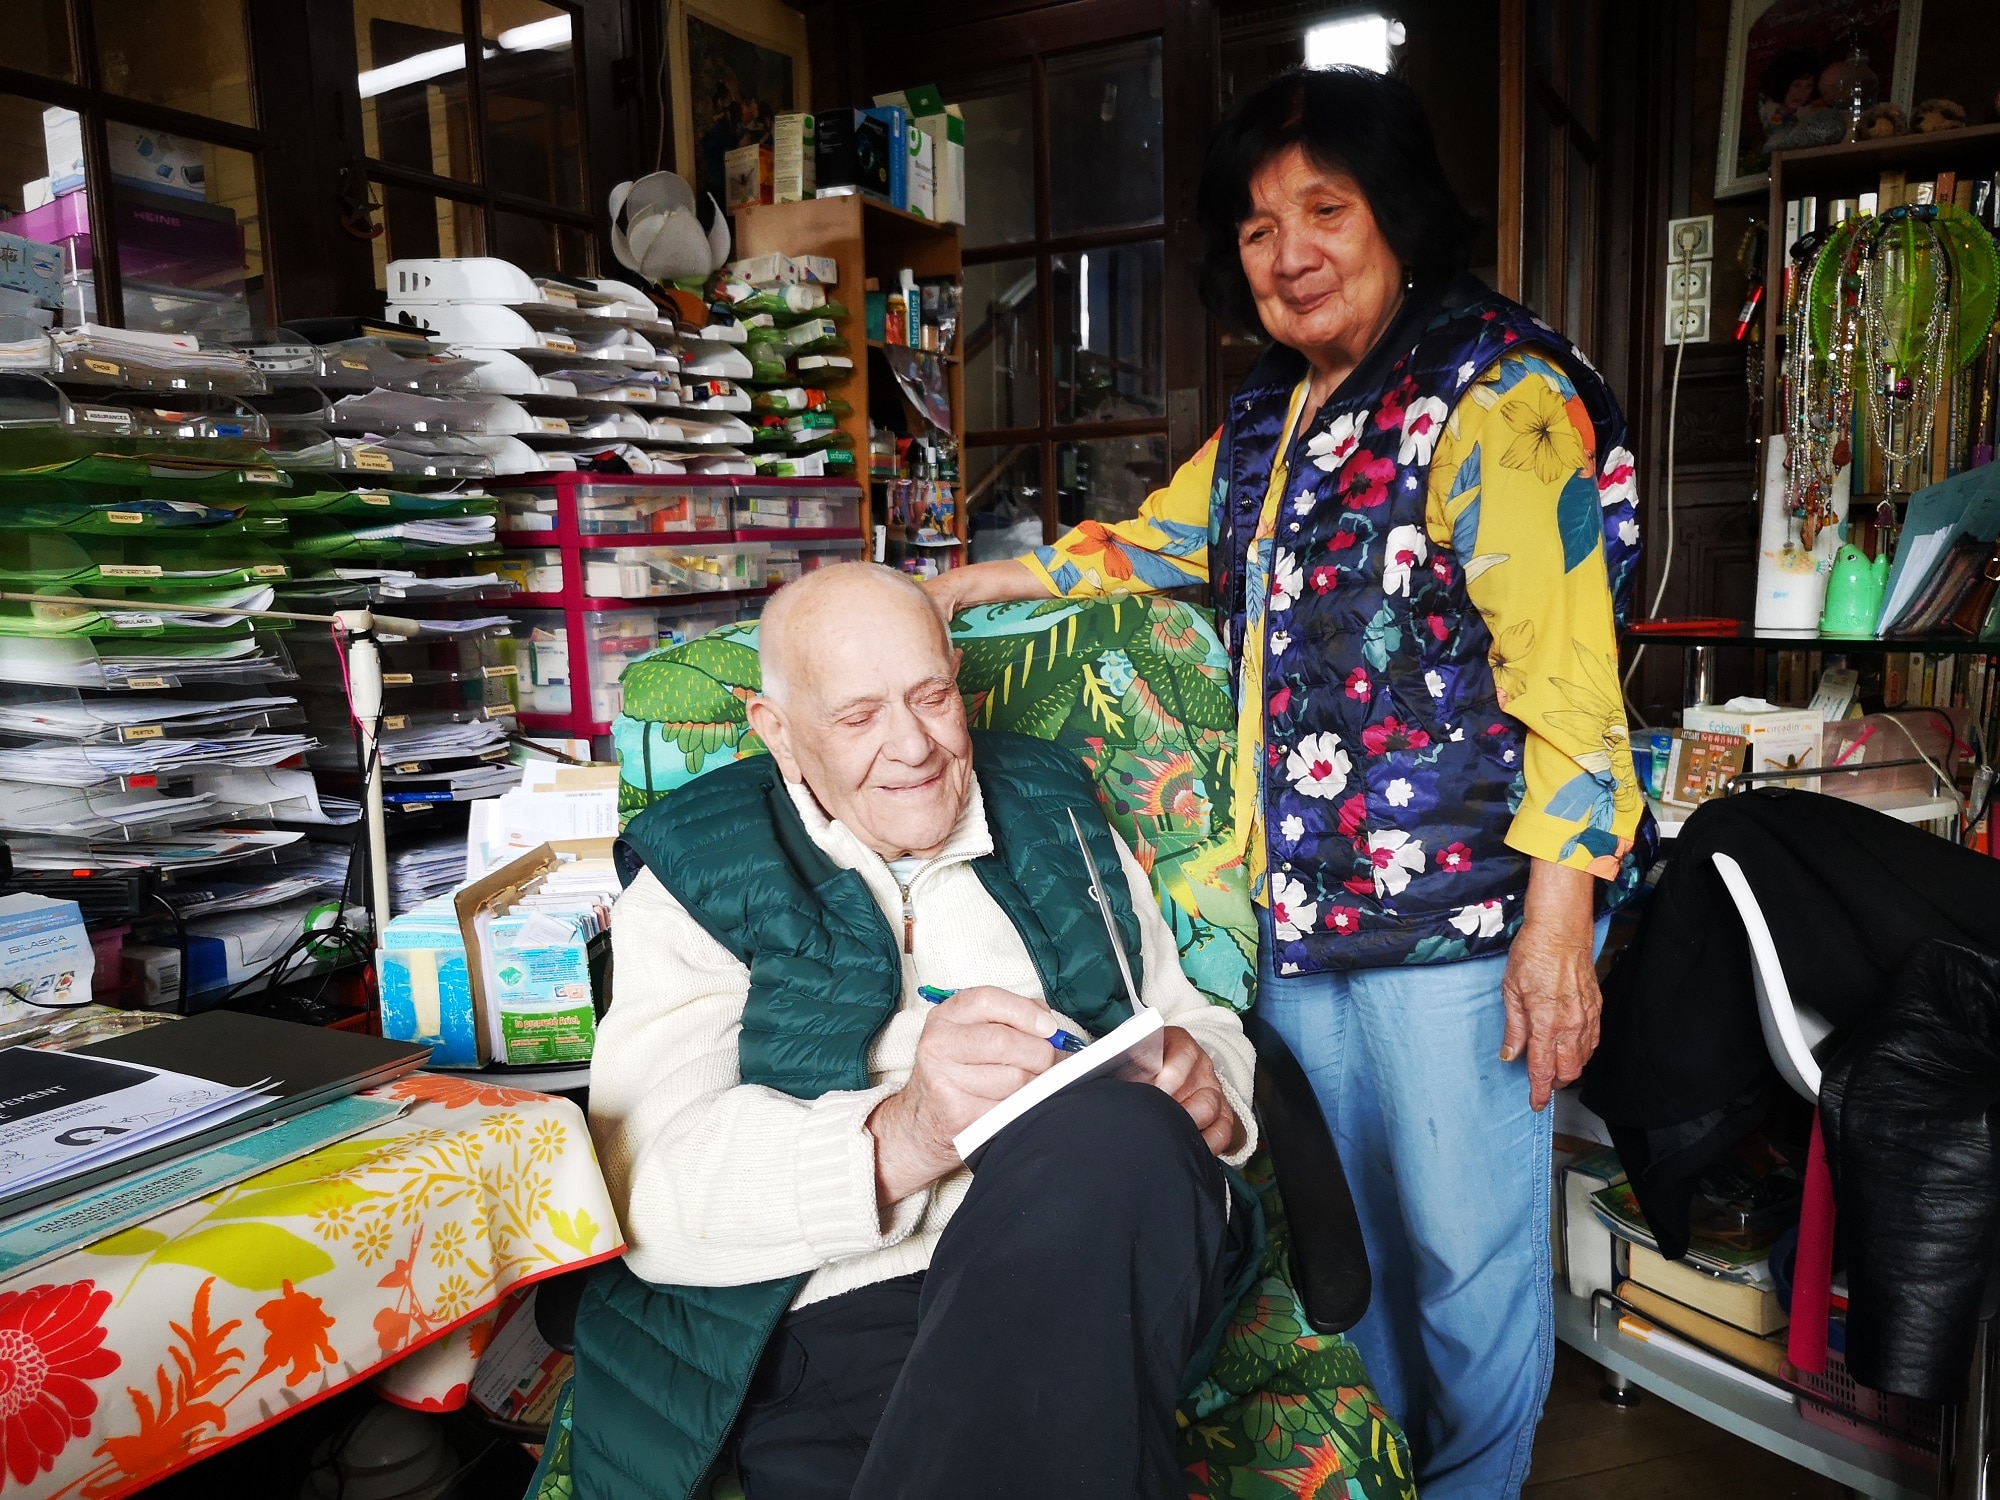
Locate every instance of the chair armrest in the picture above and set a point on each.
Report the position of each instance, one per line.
(556, 1302)
(1329, 1262)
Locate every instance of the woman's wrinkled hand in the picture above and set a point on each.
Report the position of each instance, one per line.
(1550, 988)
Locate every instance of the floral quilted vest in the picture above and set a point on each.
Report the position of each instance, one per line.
(1391, 773)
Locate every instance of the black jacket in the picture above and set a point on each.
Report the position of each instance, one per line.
(1906, 1106)
(1681, 1073)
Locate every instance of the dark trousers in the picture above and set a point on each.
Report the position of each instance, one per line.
(1043, 1352)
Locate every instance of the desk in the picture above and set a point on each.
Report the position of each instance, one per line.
(127, 1360)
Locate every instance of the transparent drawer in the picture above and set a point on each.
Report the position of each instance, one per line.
(798, 508)
(570, 661)
(613, 508)
(654, 572)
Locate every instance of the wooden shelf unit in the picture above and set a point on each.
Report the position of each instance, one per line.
(867, 237)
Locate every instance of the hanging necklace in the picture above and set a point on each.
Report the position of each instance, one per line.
(1818, 409)
(1903, 435)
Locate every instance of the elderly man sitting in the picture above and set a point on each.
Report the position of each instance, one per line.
(837, 1303)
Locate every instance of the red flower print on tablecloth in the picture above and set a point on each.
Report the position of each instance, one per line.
(1393, 734)
(298, 1327)
(1455, 859)
(456, 1093)
(51, 1343)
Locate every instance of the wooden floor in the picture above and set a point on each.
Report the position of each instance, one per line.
(1587, 1449)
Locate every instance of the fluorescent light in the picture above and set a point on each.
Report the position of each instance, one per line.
(550, 35)
(1354, 42)
(1083, 298)
(543, 36)
(413, 69)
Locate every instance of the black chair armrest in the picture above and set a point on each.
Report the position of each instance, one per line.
(556, 1302)
(1329, 1262)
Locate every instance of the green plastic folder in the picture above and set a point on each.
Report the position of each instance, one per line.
(104, 476)
(105, 564)
(136, 517)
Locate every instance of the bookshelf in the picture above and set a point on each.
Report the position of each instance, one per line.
(867, 237)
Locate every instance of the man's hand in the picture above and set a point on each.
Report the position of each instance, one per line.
(1188, 1075)
(1550, 988)
(977, 1048)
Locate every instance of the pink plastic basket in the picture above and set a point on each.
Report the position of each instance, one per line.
(1898, 1425)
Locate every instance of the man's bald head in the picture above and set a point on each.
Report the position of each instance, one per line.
(860, 703)
(791, 630)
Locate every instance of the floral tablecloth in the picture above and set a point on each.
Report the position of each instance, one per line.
(126, 1360)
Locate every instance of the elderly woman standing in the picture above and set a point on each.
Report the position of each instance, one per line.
(1418, 521)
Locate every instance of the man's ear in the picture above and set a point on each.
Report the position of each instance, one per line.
(768, 720)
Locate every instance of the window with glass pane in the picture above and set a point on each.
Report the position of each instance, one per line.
(1110, 347)
(1003, 495)
(1107, 163)
(38, 38)
(37, 155)
(540, 247)
(414, 109)
(190, 244)
(420, 226)
(529, 87)
(1000, 160)
(191, 55)
(1107, 479)
(1002, 343)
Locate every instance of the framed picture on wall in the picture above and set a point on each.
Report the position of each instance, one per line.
(737, 65)
(1792, 70)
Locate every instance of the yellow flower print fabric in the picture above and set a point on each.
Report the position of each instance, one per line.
(1526, 529)
(1534, 564)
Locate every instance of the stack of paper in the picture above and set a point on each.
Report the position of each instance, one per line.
(425, 869)
(117, 718)
(99, 765)
(62, 1114)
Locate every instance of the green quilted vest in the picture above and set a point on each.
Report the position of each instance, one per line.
(661, 1370)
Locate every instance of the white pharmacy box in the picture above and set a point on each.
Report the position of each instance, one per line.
(45, 955)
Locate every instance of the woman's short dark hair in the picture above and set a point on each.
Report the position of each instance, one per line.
(1366, 124)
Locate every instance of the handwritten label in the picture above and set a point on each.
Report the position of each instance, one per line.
(395, 721)
(398, 679)
(125, 517)
(408, 768)
(103, 367)
(375, 497)
(372, 459)
(270, 570)
(142, 732)
(262, 476)
(152, 682)
(130, 570)
(507, 671)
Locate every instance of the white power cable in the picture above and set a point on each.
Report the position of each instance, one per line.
(1689, 238)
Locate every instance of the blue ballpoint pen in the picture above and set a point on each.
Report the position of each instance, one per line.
(1062, 1041)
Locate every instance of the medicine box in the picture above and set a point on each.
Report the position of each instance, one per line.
(427, 987)
(794, 158)
(1780, 739)
(45, 955)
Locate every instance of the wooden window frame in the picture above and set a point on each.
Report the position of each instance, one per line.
(94, 105)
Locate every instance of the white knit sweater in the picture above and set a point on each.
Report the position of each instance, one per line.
(720, 1183)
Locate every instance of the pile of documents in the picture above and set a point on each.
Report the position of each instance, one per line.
(425, 868)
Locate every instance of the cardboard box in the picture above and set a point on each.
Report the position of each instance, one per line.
(746, 177)
(45, 955)
(1700, 765)
(851, 154)
(33, 269)
(1780, 739)
(948, 165)
(794, 158)
(919, 172)
(529, 985)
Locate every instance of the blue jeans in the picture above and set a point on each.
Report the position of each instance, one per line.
(1449, 1168)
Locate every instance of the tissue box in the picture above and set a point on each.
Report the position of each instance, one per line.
(1779, 739)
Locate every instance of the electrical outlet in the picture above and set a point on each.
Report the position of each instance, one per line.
(1691, 239)
(1689, 326)
(1688, 283)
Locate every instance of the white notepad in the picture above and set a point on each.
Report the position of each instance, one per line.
(1132, 1051)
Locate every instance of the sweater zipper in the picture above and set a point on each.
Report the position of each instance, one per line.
(909, 914)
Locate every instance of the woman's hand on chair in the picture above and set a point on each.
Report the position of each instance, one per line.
(982, 583)
(1550, 988)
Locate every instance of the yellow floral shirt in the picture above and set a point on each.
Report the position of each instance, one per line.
(1525, 432)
